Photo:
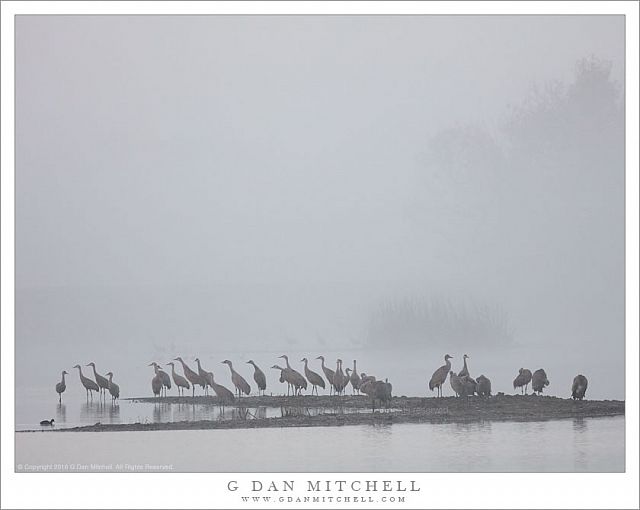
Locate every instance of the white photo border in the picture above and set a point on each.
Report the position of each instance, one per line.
(210, 490)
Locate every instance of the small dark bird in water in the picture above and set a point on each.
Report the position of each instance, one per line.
(47, 423)
(579, 387)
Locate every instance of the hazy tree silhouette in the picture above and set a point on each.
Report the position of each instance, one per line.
(537, 202)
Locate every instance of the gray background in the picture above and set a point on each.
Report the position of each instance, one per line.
(397, 187)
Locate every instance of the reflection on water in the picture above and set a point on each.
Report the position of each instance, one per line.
(594, 444)
(97, 411)
(61, 413)
(74, 414)
(580, 424)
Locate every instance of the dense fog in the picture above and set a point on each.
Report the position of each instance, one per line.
(388, 189)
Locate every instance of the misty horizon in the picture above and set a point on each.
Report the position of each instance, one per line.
(219, 183)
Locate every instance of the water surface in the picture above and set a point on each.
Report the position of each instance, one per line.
(591, 444)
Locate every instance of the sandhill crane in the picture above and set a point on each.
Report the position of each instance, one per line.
(382, 392)
(102, 381)
(339, 379)
(114, 389)
(283, 378)
(47, 423)
(204, 375)
(465, 369)
(297, 379)
(224, 394)
(456, 383)
(355, 380)
(469, 384)
(181, 382)
(258, 377)
(164, 377)
(242, 386)
(328, 373)
(61, 386)
(484, 386)
(88, 384)
(191, 376)
(522, 380)
(579, 387)
(539, 381)
(156, 385)
(315, 379)
(368, 384)
(440, 376)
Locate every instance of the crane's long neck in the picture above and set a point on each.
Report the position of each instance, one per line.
(95, 374)
(465, 365)
(80, 370)
(354, 367)
(305, 363)
(156, 369)
(323, 367)
(448, 363)
(287, 361)
(62, 377)
(198, 362)
(110, 378)
(173, 370)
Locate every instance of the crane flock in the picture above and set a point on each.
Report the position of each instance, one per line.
(462, 383)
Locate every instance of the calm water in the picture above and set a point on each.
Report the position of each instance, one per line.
(80, 412)
(595, 444)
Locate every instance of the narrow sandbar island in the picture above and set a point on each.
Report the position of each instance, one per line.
(326, 411)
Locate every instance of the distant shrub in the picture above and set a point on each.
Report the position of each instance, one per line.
(437, 321)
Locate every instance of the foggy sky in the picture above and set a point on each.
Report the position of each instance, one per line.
(244, 157)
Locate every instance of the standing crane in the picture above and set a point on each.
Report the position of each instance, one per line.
(539, 381)
(61, 386)
(191, 376)
(156, 385)
(297, 379)
(312, 377)
(484, 386)
(181, 382)
(283, 377)
(164, 377)
(382, 392)
(225, 395)
(102, 381)
(440, 376)
(465, 369)
(456, 382)
(522, 380)
(340, 380)
(205, 377)
(355, 380)
(242, 386)
(579, 387)
(88, 384)
(258, 377)
(368, 384)
(114, 389)
(328, 373)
